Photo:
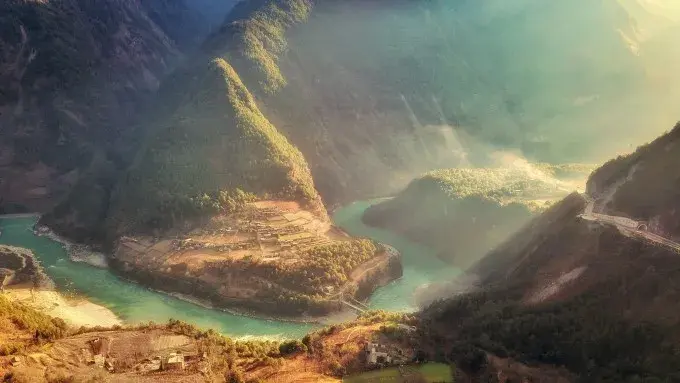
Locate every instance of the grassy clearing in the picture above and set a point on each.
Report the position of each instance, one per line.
(429, 372)
(436, 372)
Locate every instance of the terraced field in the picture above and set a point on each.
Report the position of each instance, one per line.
(269, 251)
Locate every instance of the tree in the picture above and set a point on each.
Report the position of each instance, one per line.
(234, 376)
(292, 347)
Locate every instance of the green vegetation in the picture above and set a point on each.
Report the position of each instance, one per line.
(326, 265)
(428, 372)
(567, 171)
(260, 37)
(224, 202)
(380, 316)
(436, 372)
(39, 326)
(501, 185)
(292, 347)
(581, 335)
(213, 153)
(299, 286)
(464, 213)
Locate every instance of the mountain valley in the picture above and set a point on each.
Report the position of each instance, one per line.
(305, 162)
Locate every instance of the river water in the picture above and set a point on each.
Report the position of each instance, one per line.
(135, 304)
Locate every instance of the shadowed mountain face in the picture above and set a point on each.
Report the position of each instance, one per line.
(72, 76)
(217, 142)
(643, 185)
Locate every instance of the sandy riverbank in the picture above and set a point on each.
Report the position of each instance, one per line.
(76, 312)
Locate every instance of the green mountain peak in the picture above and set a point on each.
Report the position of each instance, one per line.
(217, 140)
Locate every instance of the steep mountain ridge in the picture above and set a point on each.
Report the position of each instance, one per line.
(409, 86)
(218, 141)
(566, 278)
(220, 205)
(392, 94)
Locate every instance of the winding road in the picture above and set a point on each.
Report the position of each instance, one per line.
(627, 226)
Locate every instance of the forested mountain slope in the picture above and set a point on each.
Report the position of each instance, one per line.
(370, 91)
(73, 75)
(374, 93)
(214, 144)
(597, 298)
(465, 213)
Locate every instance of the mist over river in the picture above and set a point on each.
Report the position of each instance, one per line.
(134, 303)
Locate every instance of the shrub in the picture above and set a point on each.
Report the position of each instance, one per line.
(337, 369)
(25, 318)
(292, 347)
(234, 376)
(10, 348)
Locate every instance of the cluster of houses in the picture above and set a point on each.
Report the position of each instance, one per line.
(382, 354)
(172, 361)
(100, 353)
(378, 354)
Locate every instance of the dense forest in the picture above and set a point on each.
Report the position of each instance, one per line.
(598, 345)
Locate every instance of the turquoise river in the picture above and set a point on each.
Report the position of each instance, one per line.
(134, 304)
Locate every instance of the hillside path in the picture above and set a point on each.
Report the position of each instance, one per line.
(626, 225)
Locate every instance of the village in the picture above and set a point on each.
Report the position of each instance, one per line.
(275, 243)
(170, 360)
(382, 352)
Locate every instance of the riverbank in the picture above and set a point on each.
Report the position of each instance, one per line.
(330, 319)
(135, 304)
(76, 312)
(76, 252)
(367, 278)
